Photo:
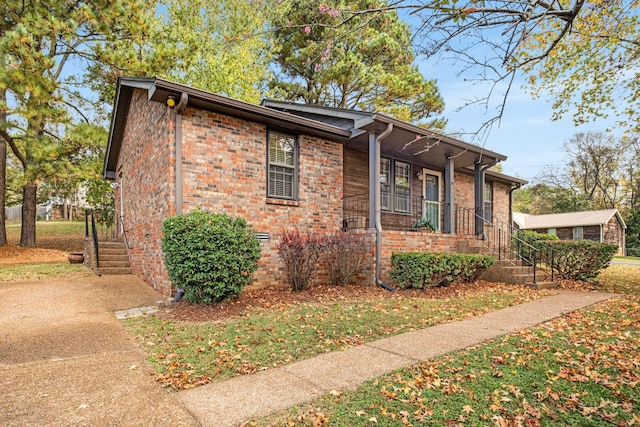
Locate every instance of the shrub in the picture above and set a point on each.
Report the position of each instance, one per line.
(423, 270)
(300, 253)
(211, 256)
(532, 238)
(346, 255)
(579, 259)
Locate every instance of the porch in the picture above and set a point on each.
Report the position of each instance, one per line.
(406, 229)
(410, 213)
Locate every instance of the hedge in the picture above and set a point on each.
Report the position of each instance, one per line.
(421, 270)
(578, 259)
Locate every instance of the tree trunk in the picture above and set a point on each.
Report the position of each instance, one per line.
(3, 187)
(28, 232)
(3, 174)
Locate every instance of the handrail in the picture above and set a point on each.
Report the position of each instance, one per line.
(94, 232)
(503, 239)
(124, 232)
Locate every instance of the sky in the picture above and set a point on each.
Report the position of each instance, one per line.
(526, 134)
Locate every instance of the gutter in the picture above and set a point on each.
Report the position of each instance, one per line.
(379, 139)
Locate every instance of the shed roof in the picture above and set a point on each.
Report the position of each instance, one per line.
(569, 219)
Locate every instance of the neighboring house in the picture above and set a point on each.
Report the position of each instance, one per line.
(173, 148)
(604, 226)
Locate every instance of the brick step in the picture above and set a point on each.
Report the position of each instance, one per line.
(104, 251)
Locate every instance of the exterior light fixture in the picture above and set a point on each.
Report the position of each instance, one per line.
(171, 101)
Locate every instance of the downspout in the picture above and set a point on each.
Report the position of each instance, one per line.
(378, 215)
(511, 206)
(184, 99)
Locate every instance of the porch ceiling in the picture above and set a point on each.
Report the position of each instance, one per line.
(417, 145)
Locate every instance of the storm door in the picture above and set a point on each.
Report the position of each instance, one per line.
(432, 196)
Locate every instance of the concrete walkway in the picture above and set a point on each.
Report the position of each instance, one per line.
(66, 360)
(231, 402)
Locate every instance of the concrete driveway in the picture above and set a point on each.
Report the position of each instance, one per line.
(66, 360)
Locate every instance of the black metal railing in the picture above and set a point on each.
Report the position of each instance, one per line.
(507, 243)
(124, 231)
(94, 233)
(398, 212)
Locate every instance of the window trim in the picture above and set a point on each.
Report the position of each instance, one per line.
(487, 203)
(575, 233)
(295, 167)
(391, 208)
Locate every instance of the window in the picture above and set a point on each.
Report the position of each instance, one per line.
(282, 164)
(395, 186)
(577, 233)
(385, 184)
(552, 231)
(488, 201)
(402, 187)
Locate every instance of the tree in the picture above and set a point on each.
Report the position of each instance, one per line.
(205, 44)
(633, 234)
(631, 172)
(40, 40)
(541, 199)
(593, 169)
(593, 69)
(585, 52)
(345, 60)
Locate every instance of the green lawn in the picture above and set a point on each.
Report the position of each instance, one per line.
(48, 228)
(187, 354)
(35, 271)
(66, 236)
(581, 369)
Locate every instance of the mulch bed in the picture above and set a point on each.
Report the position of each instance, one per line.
(276, 297)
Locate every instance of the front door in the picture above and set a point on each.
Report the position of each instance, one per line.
(431, 206)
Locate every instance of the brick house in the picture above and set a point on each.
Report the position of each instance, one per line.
(173, 148)
(604, 226)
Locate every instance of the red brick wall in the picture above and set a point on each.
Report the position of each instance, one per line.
(501, 202)
(410, 241)
(224, 170)
(146, 163)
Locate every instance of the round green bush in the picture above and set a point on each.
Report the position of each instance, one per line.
(211, 256)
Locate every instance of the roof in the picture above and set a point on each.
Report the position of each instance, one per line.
(406, 139)
(159, 90)
(349, 127)
(569, 219)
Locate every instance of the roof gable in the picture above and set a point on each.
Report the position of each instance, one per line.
(569, 219)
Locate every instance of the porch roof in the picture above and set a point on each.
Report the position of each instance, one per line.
(406, 141)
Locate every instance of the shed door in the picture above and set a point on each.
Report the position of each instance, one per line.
(431, 205)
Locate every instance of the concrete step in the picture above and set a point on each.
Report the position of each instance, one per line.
(111, 245)
(114, 257)
(114, 264)
(112, 251)
(543, 285)
(105, 271)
